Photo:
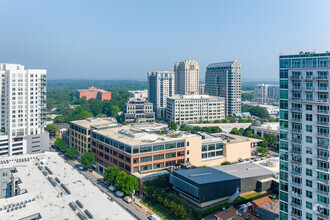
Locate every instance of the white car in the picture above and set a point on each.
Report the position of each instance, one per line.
(154, 217)
(119, 193)
(127, 199)
(81, 168)
(112, 188)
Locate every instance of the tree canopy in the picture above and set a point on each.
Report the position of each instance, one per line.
(61, 145)
(71, 152)
(52, 129)
(256, 111)
(87, 159)
(172, 125)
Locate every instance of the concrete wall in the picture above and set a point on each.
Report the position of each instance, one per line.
(37, 143)
(249, 184)
(234, 151)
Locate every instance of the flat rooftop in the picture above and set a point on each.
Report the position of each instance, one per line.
(96, 122)
(223, 173)
(135, 136)
(274, 126)
(179, 97)
(233, 138)
(46, 199)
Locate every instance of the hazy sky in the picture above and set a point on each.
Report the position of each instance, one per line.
(103, 39)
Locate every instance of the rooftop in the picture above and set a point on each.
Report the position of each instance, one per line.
(177, 96)
(47, 200)
(221, 64)
(95, 122)
(235, 214)
(274, 126)
(233, 138)
(306, 54)
(135, 135)
(223, 173)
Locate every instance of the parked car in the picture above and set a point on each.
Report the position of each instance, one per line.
(81, 168)
(112, 188)
(119, 193)
(154, 217)
(127, 199)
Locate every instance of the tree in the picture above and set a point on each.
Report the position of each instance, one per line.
(224, 121)
(111, 174)
(172, 125)
(71, 152)
(271, 139)
(120, 180)
(131, 184)
(259, 112)
(183, 127)
(87, 159)
(247, 96)
(52, 129)
(235, 131)
(61, 145)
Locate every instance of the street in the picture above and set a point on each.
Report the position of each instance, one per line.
(98, 182)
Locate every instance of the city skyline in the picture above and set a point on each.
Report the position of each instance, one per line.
(71, 45)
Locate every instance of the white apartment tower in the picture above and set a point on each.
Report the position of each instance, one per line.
(266, 94)
(23, 110)
(186, 77)
(304, 136)
(160, 87)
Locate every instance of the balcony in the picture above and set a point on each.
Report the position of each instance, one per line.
(296, 130)
(296, 173)
(323, 88)
(322, 215)
(296, 151)
(325, 123)
(323, 146)
(297, 99)
(295, 194)
(320, 111)
(323, 157)
(323, 100)
(297, 141)
(322, 180)
(296, 88)
(322, 134)
(309, 77)
(296, 162)
(322, 77)
(295, 205)
(324, 169)
(296, 119)
(296, 109)
(296, 77)
(324, 193)
(310, 89)
(296, 216)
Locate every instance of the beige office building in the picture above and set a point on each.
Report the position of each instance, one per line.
(79, 132)
(186, 77)
(193, 108)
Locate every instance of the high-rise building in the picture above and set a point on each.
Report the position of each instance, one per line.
(224, 79)
(186, 77)
(160, 87)
(23, 110)
(266, 94)
(193, 108)
(304, 136)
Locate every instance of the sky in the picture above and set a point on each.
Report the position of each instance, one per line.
(104, 39)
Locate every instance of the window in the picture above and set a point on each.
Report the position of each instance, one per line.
(309, 183)
(145, 159)
(309, 172)
(170, 155)
(159, 157)
(309, 139)
(309, 128)
(135, 160)
(309, 161)
(309, 205)
(309, 117)
(309, 194)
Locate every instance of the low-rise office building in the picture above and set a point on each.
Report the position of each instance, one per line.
(209, 185)
(79, 132)
(266, 128)
(141, 149)
(139, 110)
(193, 108)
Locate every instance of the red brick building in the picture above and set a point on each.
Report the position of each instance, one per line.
(94, 93)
